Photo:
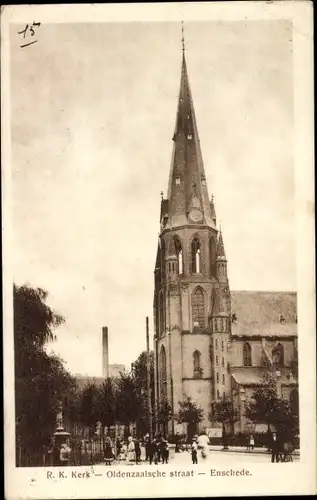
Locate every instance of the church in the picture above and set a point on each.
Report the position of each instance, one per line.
(210, 342)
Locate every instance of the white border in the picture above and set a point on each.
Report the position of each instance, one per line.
(296, 478)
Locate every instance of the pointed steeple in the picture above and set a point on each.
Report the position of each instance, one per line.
(188, 200)
(220, 247)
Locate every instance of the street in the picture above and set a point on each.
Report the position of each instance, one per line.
(217, 457)
(224, 457)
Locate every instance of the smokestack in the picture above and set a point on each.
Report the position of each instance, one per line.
(105, 352)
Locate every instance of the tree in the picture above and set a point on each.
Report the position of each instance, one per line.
(89, 411)
(139, 374)
(164, 414)
(224, 412)
(106, 404)
(266, 406)
(128, 407)
(41, 381)
(190, 413)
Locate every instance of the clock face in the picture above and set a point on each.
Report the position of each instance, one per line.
(195, 215)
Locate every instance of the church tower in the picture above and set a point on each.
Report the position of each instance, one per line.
(191, 297)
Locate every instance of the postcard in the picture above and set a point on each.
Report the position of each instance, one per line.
(158, 250)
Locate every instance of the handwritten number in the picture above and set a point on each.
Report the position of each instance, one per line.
(31, 32)
(23, 31)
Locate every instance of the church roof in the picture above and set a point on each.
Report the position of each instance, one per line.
(264, 313)
(252, 375)
(187, 191)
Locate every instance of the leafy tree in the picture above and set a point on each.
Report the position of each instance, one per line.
(190, 413)
(164, 414)
(40, 380)
(128, 407)
(139, 374)
(224, 412)
(266, 406)
(106, 405)
(89, 412)
(262, 407)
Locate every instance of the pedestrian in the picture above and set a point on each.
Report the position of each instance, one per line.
(251, 441)
(177, 442)
(275, 448)
(108, 451)
(118, 446)
(158, 447)
(147, 446)
(194, 452)
(203, 444)
(130, 450)
(153, 451)
(64, 455)
(164, 451)
(137, 448)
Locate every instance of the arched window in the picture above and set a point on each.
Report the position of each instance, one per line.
(222, 345)
(217, 377)
(198, 308)
(216, 360)
(278, 355)
(196, 257)
(223, 380)
(218, 394)
(223, 362)
(196, 360)
(163, 373)
(179, 254)
(247, 354)
(162, 314)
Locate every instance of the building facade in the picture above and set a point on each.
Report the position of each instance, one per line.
(202, 330)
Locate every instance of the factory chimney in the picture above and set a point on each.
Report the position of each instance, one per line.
(105, 352)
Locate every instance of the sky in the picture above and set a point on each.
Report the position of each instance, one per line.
(93, 109)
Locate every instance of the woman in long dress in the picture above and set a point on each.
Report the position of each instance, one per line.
(130, 450)
(108, 451)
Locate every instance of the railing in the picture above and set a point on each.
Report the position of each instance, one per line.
(83, 452)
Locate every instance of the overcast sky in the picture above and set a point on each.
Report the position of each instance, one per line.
(93, 113)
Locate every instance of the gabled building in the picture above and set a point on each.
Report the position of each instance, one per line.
(205, 336)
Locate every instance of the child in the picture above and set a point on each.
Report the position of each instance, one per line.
(164, 451)
(194, 452)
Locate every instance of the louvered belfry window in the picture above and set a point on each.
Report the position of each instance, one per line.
(198, 307)
(196, 255)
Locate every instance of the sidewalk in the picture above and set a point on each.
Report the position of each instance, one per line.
(242, 449)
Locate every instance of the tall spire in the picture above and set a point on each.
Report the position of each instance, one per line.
(220, 247)
(183, 39)
(188, 200)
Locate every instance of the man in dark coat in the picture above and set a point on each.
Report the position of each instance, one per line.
(275, 447)
(153, 451)
(137, 448)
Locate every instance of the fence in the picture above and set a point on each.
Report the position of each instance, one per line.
(83, 452)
